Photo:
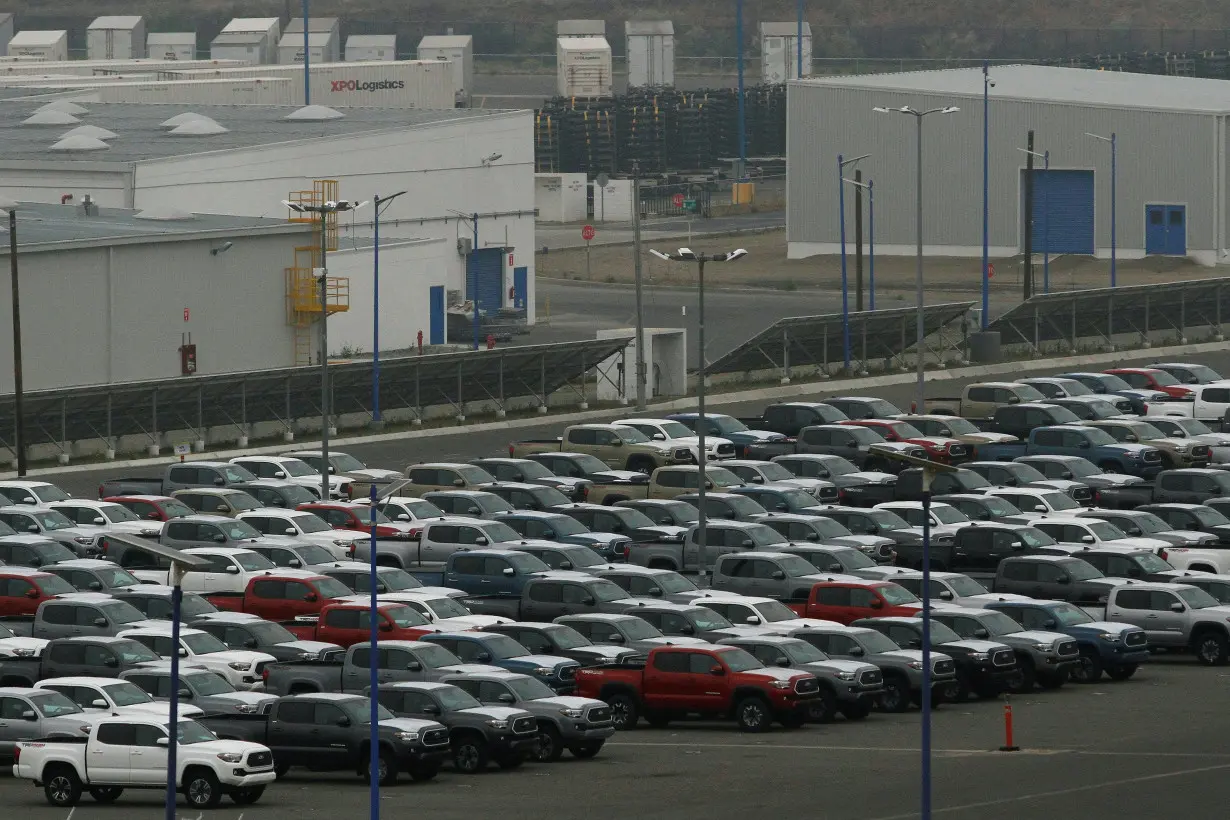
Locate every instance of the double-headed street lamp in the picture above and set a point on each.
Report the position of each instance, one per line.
(379, 202)
(1114, 145)
(324, 209)
(842, 162)
(688, 255)
(987, 85)
(869, 187)
(919, 116)
(19, 443)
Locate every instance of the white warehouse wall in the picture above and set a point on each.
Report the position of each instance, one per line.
(440, 165)
(408, 270)
(128, 323)
(110, 188)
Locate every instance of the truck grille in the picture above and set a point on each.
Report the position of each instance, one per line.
(871, 677)
(1134, 639)
(1151, 455)
(599, 714)
(956, 449)
(1003, 657)
(807, 686)
(435, 737)
(826, 493)
(259, 760)
(1066, 648)
(260, 667)
(1202, 452)
(1123, 406)
(944, 667)
(568, 672)
(1082, 494)
(524, 726)
(726, 450)
(620, 547)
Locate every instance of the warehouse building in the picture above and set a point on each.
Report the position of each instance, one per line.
(245, 160)
(1170, 146)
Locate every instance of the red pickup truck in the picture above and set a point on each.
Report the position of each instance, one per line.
(846, 602)
(352, 516)
(284, 594)
(22, 589)
(710, 681)
(349, 622)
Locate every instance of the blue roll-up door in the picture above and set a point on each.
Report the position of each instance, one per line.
(1063, 211)
(436, 336)
(485, 276)
(521, 286)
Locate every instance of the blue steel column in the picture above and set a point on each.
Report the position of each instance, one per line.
(926, 647)
(376, 313)
(986, 184)
(871, 243)
(742, 120)
(1113, 171)
(474, 265)
(373, 665)
(307, 59)
(845, 300)
(1046, 224)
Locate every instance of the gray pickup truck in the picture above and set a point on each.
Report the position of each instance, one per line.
(1175, 617)
(87, 614)
(201, 688)
(65, 657)
(777, 575)
(643, 582)
(850, 688)
(1043, 658)
(721, 537)
(183, 476)
(478, 734)
(902, 668)
(580, 725)
(34, 714)
(623, 630)
(351, 672)
(545, 599)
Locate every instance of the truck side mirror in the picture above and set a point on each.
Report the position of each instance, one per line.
(100, 622)
(754, 620)
(588, 600)
(343, 721)
(1065, 580)
(616, 637)
(708, 484)
(945, 596)
(835, 567)
(565, 565)
(655, 592)
(98, 703)
(1130, 437)
(250, 643)
(1083, 445)
(219, 482)
(152, 517)
(748, 543)
(459, 482)
(294, 562)
(483, 657)
(403, 517)
(1018, 545)
(687, 629)
(481, 541)
(778, 575)
(1177, 607)
(877, 604)
(162, 741)
(386, 627)
(509, 571)
(782, 661)
(95, 586)
(183, 653)
(311, 597)
(1014, 400)
(221, 539)
(279, 474)
(29, 715)
(100, 521)
(658, 437)
(506, 697)
(717, 669)
(185, 694)
(813, 536)
(981, 633)
(414, 666)
(1040, 508)
(431, 709)
(32, 528)
(1087, 539)
(1049, 623)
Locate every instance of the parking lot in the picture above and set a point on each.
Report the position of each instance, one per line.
(1150, 748)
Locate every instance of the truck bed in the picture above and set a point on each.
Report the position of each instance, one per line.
(323, 675)
(130, 485)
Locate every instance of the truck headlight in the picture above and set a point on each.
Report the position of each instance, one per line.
(343, 543)
(407, 737)
(572, 713)
(1108, 637)
(1133, 454)
(545, 671)
(916, 665)
(498, 724)
(780, 684)
(247, 709)
(230, 757)
(84, 539)
(980, 656)
(239, 666)
(846, 676)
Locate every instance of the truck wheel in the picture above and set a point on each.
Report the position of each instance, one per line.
(247, 795)
(423, 771)
(824, 708)
(1089, 668)
(549, 748)
(1122, 672)
(62, 786)
(387, 771)
(640, 464)
(753, 715)
(510, 761)
(1053, 681)
(201, 789)
(855, 711)
(470, 754)
(1212, 648)
(896, 697)
(1023, 680)
(624, 712)
(586, 750)
(280, 770)
(106, 794)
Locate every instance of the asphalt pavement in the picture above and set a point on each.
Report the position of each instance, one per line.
(1149, 748)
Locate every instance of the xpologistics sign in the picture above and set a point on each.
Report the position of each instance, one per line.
(356, 85)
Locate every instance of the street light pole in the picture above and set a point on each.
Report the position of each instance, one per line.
(19, 443)
(1114, 146)
(378, 202)
(687, 255)
(742, 154)
(871, 245)
(1045, 156)
(324, 209)
(919, 116)
(845, 288)
(640, 305)
(986, 185)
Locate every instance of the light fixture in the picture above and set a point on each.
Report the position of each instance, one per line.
(487, 160)
(223, 248)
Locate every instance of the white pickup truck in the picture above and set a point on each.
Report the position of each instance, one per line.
(131, 752)
(1209, 403)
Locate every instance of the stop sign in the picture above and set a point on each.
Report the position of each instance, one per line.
(677, 200)
(588, 233)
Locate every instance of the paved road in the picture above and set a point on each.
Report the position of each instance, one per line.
(1153, 747)
(446, 447)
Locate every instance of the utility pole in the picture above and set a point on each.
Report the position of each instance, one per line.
(640, 315)
(858, 240)
(1027, 276)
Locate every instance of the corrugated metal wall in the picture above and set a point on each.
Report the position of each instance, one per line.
(1163, 157)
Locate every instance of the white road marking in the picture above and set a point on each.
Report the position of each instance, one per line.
(916, 750)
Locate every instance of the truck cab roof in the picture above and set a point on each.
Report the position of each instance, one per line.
(599, 617)
(330, 697)
(418, 686)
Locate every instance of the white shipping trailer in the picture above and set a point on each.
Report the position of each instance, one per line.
(651, 52)
(47, 45)
(115, 38)
(458, 51)
(171, 45)
(583, 66)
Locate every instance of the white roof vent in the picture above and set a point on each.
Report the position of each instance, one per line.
(180, 119)
(64, 107)
(80, 143)
(314, 113)
(165, 214)
(90, 131)
(203, 127)
(50, 118)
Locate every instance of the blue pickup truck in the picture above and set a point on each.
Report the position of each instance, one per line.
(1115, 648)
(756, 444)
(1087, 442)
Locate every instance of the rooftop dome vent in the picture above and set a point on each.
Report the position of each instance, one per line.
(90, 131)
(203, 127)
(180, 119)
(314, 113)
(80, 143)
(50, 118)
(64, 107)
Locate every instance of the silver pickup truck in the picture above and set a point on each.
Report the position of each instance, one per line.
(722, 537)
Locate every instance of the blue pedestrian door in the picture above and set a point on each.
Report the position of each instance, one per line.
(436, 336)
(1062, 212)
(521, 282)
(1166, 230)
(485, 279)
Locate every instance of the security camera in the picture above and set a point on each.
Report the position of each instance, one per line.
(226, 246)
(991, 83)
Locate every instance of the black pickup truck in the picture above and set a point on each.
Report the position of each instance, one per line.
(909, 484)
(1019, 419)
(332, 732)
(789, 417)
(978, 547)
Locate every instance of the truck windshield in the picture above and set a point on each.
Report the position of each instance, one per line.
(1068, 615)
(243, 502)
(802, 652)
(52, 553)
(705, 619)
(52, 520)
(203, 643)
(1163, 378)
(881, 409)
(1151, 563)
(360, 711)
(55, 585)
(345, 463)
(1081, 468)
(314, 554)
(523, 562)
(795, 566)
(1191, 427)
(888, 520)
(1072, 387)
(726, 424)
(1025, 473)
(774, 611)
(447, 608)
(54, 705)
(606, 591)
(958, 426)
(403, 616)
(1059, 502)
(674, 582)
(942, 633)
(454, 698)
(739, 660)
(563, 525)
(949, 515)
(1081, 570)
(799, 499)
(133, 652)
(1106, 532)
(498, 533)
(905, 430)
(827, 528)
(865, 435)
(269, 634)
(239, 530)
(634, 629)
(763, 536)
(532, 469)
(236, 474)
(721, 477)
(331, 587)
(1208, 517)
(396, 580)
(1203, 373)
(896, 594)
(174, 508)
(127, 694)
(673, 429)
(1198, 598)
(588, 464)
(851, 559)
(475, 475)
(998, 623)
(566, 637)
(253, 561)
(116, 513)
(1102, 409)
(121, 612)
(1111, 382)
(503, 647)
(875, 643)
(1145, 431)
(435, 657)
(527, 688)
(189, 732)
(207, 683)
(194, 604)
(630, 435)
(743, 506)
(1145, 523)
(775, 472)
(295, 468)
(1098, 438)
(964, 586)
(112, 577)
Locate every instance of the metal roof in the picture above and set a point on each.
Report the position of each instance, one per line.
(42, 224)
(376, 40)
(315, 24)
(122, 22)
(238, 38)
(31, 37)
(1052, 84)
(142, 138)
(445, 41)
(636, 28)
(784, 29)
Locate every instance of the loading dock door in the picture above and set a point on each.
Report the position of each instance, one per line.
(486, 277)
(1063, 211)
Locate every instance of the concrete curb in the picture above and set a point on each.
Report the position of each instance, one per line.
(789, 391)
